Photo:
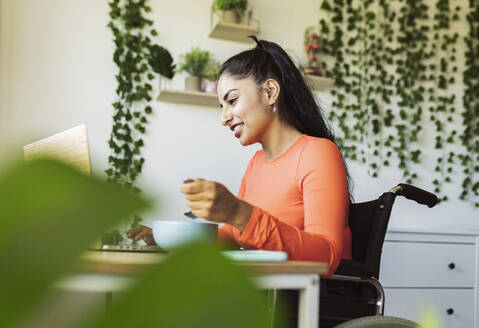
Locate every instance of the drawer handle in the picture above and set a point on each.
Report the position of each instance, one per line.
(450, 311)
(451, 266)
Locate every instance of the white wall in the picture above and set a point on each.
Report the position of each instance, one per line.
(3, 79)
(57, 72)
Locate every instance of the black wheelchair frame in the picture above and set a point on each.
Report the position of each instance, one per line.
(354, 290)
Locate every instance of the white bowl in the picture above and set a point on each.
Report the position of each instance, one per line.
(173, 234)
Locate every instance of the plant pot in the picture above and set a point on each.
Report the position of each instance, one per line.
(312, 71)
(230, 16)
(164, 83)
(209, 86)
(193, 83)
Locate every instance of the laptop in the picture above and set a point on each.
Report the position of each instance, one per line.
(71, 147)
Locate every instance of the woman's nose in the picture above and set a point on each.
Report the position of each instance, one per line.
(225, 118)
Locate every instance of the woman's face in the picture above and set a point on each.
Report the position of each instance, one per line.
(244, 110)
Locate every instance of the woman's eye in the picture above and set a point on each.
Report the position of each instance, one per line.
(232, 101)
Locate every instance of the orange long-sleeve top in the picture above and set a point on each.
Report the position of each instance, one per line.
(300, 203)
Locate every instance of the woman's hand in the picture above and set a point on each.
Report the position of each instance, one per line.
(142, 232)
(213, 201)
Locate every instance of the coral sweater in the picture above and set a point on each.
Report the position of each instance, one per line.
(300, 203)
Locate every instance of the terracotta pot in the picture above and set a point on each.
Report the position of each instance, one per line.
(209, 86)
(230, 16)
(193, 83)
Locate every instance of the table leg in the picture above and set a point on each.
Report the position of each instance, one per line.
(308, 309)
(308, 286)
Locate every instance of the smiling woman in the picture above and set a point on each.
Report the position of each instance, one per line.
(297, 185)
(294, 195)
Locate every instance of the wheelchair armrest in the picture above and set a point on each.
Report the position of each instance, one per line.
(419, 195)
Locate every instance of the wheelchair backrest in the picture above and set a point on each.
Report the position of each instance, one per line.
(368, 222)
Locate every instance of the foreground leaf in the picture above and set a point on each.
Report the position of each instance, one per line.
(49, 214)
(196, 287)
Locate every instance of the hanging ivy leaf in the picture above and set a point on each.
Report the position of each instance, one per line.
(161, 61)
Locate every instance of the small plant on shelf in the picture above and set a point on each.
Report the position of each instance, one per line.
(194, 63)
(311, 46)
(233, 10)
(211, 76)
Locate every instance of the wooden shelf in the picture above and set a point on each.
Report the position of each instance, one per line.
(189, 97)
(319, 83)
(233, 32)
(208, 99)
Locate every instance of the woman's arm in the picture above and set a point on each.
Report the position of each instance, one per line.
(321, 177)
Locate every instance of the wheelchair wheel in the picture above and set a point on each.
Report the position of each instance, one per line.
(378, 321)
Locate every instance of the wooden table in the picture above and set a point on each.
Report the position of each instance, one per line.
(110, 272)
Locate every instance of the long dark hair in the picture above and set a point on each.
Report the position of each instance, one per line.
(296, 104)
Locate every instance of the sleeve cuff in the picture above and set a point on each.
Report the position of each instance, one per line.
(247, 235)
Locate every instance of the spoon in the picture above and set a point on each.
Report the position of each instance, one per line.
(189, 213)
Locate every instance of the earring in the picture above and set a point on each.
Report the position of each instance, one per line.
(274, 107)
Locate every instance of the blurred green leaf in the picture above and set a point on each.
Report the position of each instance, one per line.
(49, 214)
(195, 287)
(430, 318)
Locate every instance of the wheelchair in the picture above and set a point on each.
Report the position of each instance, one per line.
(353, 296)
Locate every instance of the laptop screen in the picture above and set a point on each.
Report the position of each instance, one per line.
(70, 146)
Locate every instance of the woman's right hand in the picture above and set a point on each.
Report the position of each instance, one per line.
(142, 232)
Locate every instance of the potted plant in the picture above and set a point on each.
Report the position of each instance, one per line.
(211, 76)
(194, 63)
(233, 10)
(311, 45)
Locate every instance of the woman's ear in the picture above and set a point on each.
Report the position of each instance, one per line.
(272, 89)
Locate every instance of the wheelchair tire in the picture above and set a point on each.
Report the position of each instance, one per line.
(378, 321)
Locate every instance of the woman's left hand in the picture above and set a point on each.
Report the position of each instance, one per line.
(213, 201)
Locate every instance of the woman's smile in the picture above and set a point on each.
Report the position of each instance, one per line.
(237, 128)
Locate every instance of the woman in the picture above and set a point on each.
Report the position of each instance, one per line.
(294, 195)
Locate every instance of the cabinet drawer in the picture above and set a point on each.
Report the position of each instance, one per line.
(416, 264)
(410, 304)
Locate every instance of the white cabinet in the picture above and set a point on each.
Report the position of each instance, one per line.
(420, 270)
(408, 303)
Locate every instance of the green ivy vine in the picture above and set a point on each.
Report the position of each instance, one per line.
(395, 63)
(410, 58)
(444, 69)
(470, 135)
(132, 32)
